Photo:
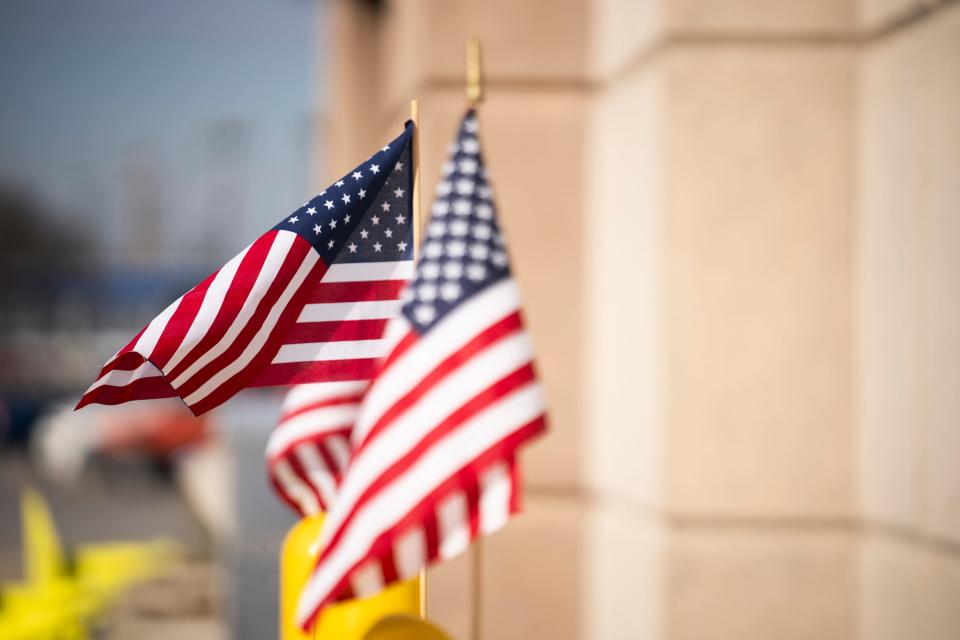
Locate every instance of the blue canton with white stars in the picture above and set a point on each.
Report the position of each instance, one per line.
(463, 250)
(386, 232)
(365, 215)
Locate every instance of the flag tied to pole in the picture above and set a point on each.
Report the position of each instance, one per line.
(431, 451)
(306, 302)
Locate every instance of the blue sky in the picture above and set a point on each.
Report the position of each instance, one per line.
(111, 109)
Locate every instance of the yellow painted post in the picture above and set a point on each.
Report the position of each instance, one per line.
(43, 558)
(350, 620)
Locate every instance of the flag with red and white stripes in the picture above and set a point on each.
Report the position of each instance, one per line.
(435, 436)
(310, 447)
(275, 313)
(339, 334)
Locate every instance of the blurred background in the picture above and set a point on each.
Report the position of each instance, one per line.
(736, 224)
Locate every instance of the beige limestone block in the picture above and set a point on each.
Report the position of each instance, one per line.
(450, 595)
(907, 589)
(910, 273)
(623, 573)
(620, 32)
(757, 277)
(731, 583)
(350, 71)
(533, 573)
(424, 41)
(872, 14)
(890, 395)
(939, 209)
(624, 430)
(761, 16)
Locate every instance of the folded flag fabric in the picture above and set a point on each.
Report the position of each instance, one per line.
(433, 462)
(272, 315)
(310, 447)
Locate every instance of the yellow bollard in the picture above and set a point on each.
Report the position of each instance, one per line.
(349, 620)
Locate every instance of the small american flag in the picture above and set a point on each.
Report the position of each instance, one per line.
(433, 462)
(275, 314)
(339, 336)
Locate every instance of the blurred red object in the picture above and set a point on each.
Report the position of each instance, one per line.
(158, 430)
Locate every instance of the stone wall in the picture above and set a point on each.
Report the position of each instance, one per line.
(735, 223)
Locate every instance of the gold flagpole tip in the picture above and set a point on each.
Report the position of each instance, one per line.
(474, 73)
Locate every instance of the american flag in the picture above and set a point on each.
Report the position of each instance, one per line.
(341, 330)
(285, 310)
(434, 442)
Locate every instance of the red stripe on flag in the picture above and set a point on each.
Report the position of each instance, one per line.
(356, 291)
(328, 457)
(128, 361)
(151, 388)
(280, 491)
(320, 404)
(431, 534)
(471, 488)
(388, 568)
(301, 473)
(335, 331)
(327, 371)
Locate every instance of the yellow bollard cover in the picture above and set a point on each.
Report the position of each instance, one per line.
(350, 620)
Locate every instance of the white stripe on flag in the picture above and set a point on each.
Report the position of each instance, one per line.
(339, 447)
(324, 351)
(339, 311)
(368, 579)
(121, 378)
(303, 394)
(148, 339)
(369, 271)
(294, 487)
(410, 552)
(453, 524)
(495, 493)
(320, 474)
(310, 423)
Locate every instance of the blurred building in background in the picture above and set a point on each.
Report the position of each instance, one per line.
(141, 145)
(736, 228)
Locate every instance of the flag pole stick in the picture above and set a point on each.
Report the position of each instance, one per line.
(417, 218)
(474, 89)
(417, 234)
(474, 73)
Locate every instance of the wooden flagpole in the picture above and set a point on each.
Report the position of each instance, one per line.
(417, 235)
(474, 75)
